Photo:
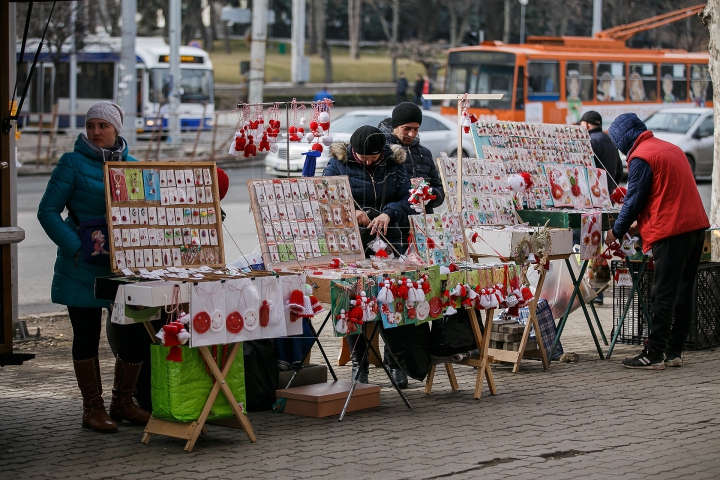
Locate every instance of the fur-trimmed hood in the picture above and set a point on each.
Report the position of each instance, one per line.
(341, 151)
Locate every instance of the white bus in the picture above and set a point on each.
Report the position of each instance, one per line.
(99, 74)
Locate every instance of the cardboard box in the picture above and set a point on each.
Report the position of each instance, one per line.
(327, 399)
(155, 294)
(494, 242)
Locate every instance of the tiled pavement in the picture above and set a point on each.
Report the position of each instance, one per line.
(592, 419)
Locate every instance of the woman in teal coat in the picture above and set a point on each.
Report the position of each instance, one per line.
(77, 183)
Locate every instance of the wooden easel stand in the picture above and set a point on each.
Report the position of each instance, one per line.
(190, 431)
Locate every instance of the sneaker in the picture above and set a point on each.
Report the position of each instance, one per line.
(644, 361)
(673, 361)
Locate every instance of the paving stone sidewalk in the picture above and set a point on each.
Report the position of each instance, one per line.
(591, 419)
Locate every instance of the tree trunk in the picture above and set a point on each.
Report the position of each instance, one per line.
(506, 23)
(453, 23)
(394, 37)
(328, 61)
(313, 13)
(354, 8)
(711, 18)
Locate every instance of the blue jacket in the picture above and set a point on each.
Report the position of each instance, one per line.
(77, 182)
(367, 190)
(623, 132)
(419, 162)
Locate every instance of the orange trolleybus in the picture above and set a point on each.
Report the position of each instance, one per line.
(556, 79)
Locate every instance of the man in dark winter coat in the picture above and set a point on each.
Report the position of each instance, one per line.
(663, 198)
(402, 130)
(606, 153)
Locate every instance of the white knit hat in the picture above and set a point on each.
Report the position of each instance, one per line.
(108, 111)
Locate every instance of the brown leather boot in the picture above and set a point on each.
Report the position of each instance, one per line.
(94, 415)
(122, 406)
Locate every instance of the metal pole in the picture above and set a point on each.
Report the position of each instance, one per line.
(522, 22)
(297, 39)
(175, 78)
(597, 16)
(256, 78)
(128, 98)
(73, 71)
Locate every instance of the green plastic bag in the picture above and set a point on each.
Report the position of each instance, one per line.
(180, 389)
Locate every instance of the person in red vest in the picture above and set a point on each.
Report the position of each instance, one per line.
(663, 199)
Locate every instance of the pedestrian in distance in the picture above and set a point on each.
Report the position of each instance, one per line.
(418, 90)
(402, 86)
(322, 94)
(426, 89)
(664, 201)
(77, 183)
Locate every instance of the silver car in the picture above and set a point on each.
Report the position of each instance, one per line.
(691, 129)
(437, 132)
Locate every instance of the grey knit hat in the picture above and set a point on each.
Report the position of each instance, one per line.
(108, 111)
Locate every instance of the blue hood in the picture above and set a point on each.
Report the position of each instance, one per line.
(625, 129)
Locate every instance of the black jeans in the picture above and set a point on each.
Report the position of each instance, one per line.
(676, 264)
(133, 340)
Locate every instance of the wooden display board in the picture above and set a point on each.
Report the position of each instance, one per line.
(163, 214)
(306, 221)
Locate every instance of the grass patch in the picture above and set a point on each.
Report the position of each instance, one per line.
(374, 65)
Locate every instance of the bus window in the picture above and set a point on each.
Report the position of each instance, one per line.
(673, 80)
(543, 80)
(700, 86)
(579, 80)
(520, 90)
(482, 72)
(95, 80)
(642, 82)
(610, 82)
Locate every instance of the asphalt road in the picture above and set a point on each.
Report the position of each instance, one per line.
(37, 252)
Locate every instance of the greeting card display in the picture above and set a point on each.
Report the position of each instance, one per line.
(254, 309)
(597, 180)
(306, 220)
(439, 238)
(590, 235)
(484, 195)
(161, 215)
(207, 314)
(526, 147)
(560, 186)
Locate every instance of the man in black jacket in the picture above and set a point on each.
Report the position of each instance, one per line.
(606, 154)
(402, 129)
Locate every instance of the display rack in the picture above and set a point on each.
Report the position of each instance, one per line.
(162, 215)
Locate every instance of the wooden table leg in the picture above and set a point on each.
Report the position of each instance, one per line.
(221, 384)
(429, 380)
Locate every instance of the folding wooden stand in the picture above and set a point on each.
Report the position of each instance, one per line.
(516, 357)
(191, 430)
(482, 363)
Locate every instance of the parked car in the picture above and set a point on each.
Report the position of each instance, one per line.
(437, 132)
(690, 128)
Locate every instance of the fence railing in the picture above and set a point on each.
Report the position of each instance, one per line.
(42, 140)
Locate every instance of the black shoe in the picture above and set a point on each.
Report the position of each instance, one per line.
(399, 377)
(673, 361)
(645, 361)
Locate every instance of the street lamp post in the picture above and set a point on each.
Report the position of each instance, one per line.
(522, 20)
